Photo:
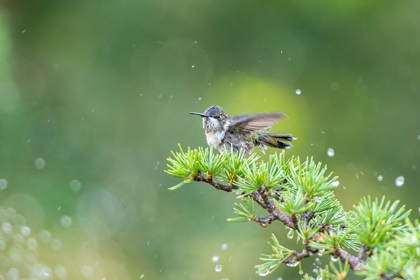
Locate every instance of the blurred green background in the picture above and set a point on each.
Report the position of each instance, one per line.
(95, 94)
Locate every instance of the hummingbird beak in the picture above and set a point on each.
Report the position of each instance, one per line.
(199, 114)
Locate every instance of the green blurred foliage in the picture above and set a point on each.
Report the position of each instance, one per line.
(101, 90)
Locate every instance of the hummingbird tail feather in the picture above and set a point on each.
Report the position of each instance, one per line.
(276, 140)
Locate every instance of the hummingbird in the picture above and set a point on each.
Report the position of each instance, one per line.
(242, 132)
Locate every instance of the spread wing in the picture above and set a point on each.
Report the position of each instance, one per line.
(256, 121)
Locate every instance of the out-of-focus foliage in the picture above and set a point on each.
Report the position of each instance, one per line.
(94, 93)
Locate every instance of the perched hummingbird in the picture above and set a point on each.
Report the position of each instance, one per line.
(243, 132)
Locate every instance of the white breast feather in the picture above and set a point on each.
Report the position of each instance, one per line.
(215, 138)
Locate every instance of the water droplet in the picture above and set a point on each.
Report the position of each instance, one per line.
(142, 276)
(42, 271)
(418, 137)
(334, 86)
(224, 246)
(330, 152)
(75, 185)
(298, 91)
(87, 271)
(334, 259)
(26, 231)
(279, 278)
(264, 273)
(3, 184)
(66, 221)
(315, 270)
(215, 258)
(11, 213)
(39, 163)
(319, 277)
(56, 244)
(290, 234)
(293, 264)
(24, 30)
(6, 227)
(380, 178)
(199, 98)
(15, 254)
(399, 181)
(335, 183)
(32, 244)
(218, 268)
(45, 236)
(18, 239)
(13, 274)
(60, 272)
(192, 66)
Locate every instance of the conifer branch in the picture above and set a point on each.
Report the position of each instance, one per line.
(300, 195)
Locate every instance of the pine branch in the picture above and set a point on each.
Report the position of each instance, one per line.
(300, 195)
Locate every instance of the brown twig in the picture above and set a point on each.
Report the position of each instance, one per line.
(297, 256)
(363, 252)
(294, 220)
(258, 199)
(265, 222)
(385, 276)
(354, 262)
(271, 208)
(201, 178)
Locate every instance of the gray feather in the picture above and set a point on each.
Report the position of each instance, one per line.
(256, 121)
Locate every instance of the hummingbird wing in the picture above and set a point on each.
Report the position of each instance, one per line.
(254, 122)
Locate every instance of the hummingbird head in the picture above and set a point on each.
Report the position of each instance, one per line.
(214, 119)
